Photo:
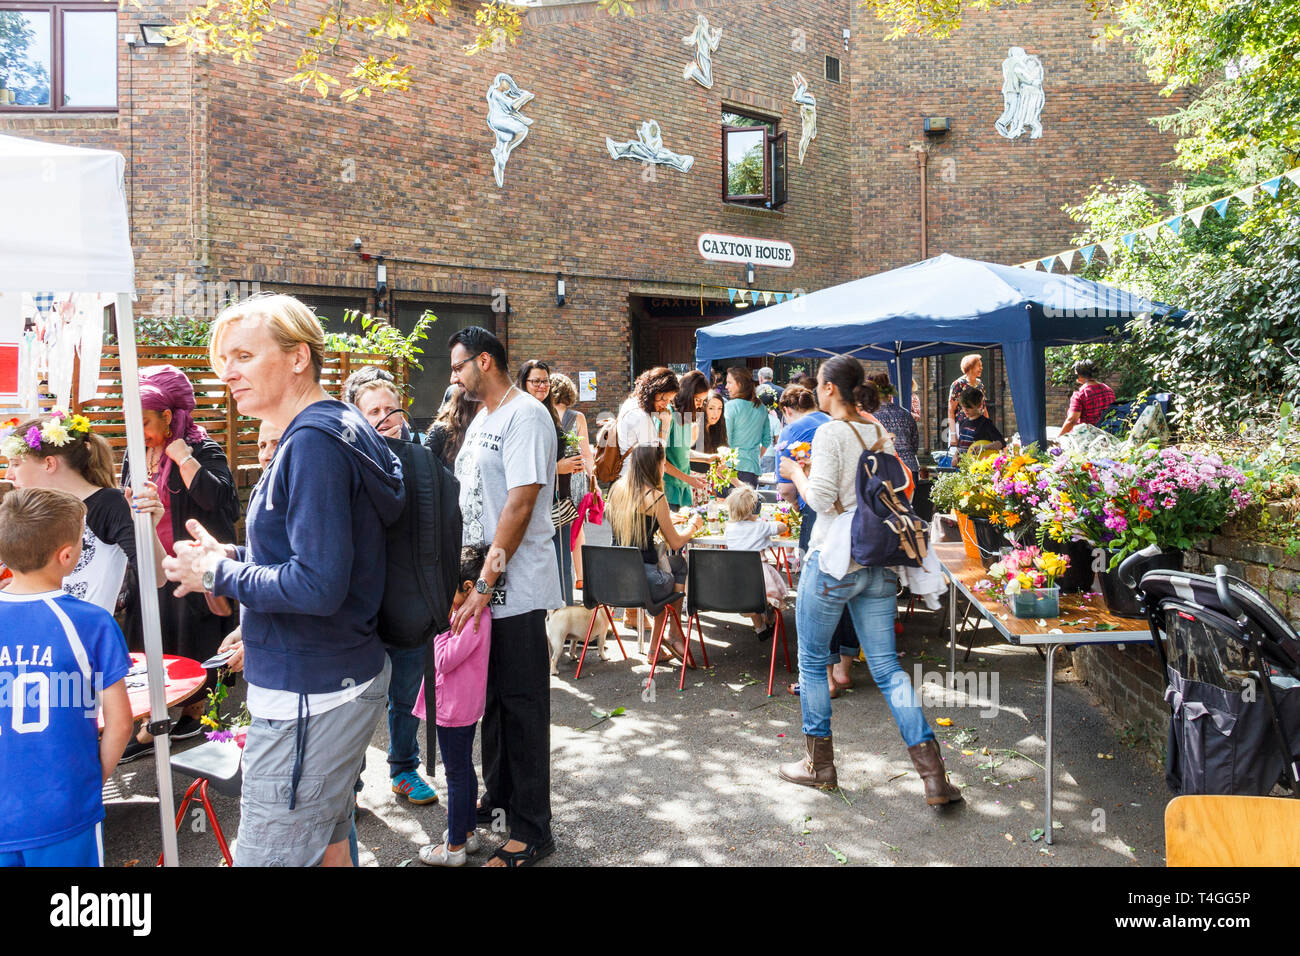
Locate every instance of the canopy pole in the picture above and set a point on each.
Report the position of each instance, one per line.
(148, 578)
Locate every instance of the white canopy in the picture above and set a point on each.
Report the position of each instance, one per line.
(64, 228)
(63, 219)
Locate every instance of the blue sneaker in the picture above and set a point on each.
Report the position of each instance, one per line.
(412, 786)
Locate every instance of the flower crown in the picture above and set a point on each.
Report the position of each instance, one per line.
(60, 430)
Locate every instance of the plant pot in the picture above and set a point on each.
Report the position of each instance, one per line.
(1080, 575)
(1036, 602)
(1122, 600)
(989, 539)
(967, 531)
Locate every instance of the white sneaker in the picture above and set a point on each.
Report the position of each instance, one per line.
(441, 856)
(471, 844)
(932, 601)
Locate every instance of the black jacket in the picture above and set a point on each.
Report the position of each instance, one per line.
(211, 499)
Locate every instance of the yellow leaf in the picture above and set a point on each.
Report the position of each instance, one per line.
(947, 722)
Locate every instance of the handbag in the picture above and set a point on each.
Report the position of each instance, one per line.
(563, 511)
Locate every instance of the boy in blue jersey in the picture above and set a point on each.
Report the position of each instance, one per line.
(60, 660)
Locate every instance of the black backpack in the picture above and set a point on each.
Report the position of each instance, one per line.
(886, 531)
(423, 550)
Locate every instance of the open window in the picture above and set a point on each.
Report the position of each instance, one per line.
(753, 162)
(58, 56)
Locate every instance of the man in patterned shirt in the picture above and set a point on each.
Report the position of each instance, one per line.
(1088, 405)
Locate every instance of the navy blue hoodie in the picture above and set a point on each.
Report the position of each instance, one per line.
(313, 571)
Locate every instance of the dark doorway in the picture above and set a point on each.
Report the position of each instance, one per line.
(429, 384)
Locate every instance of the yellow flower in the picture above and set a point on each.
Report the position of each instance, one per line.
(1025, 580)
(207, 721)
(79, 423)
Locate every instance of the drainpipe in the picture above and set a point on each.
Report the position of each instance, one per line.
(922, 162)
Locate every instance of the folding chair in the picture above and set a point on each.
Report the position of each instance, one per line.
(218, 762)
(615, 577)
(729, 582)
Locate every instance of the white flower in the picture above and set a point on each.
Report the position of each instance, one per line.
(996, 570)
(1013, 587)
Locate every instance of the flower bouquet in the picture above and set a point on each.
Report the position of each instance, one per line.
(789, 516)
(801, 452)
(222, 727)
(1026, 580)
(722, 471)
(1018, 486)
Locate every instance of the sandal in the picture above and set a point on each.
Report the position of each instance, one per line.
(525, 857)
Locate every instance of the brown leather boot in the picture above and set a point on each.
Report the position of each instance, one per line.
(929, 764)
(817, 769)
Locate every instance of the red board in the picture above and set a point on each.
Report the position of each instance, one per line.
(184, 677)
(8, 369)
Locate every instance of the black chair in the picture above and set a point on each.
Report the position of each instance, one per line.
(729, 582)
(615, 577)
(219, 763)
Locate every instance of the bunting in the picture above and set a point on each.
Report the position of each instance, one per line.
(746, 297)
(1174, 224)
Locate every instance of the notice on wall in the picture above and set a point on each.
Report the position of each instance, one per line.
(586, 386)
(11, 330)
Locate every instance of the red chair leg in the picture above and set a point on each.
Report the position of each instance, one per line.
(655, 640)
(771, 667)
(591, 626)
(785, 563)
(676, 620)
(216, 826)
(699, 628)
(780, 625)
(185, 802)
(613, 629)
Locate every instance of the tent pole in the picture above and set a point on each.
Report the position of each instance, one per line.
(144, 533)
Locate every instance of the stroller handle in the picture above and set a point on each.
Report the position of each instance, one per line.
(1229, 603)
(1129, 569)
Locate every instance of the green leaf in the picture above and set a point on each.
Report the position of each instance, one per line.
(839, 857)
(1036, 834)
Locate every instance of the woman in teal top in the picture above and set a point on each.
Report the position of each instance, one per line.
(687, 408)
(748, 427)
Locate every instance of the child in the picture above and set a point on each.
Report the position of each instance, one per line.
(747, 532)
(60, 658)
(976, 427)
(460, 663)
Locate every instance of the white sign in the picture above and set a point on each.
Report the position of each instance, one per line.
(11, 330)
(761, 252)
(586, 386)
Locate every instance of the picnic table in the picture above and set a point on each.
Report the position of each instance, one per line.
(1083, 620)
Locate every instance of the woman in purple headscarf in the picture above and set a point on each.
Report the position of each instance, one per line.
(194, 481)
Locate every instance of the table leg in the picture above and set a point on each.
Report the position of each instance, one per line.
(952, 631)
(1051, 668)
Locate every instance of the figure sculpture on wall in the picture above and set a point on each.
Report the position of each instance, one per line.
(505, 100)
(1022, 95)
(649, 148)
(807, 112)
(705, 42)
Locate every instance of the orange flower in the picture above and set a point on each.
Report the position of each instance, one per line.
(1143, 513)
(1133, 494)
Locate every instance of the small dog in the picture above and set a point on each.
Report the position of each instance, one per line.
(570, 624)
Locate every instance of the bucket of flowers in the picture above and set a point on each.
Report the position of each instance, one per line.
(1026, 578)
(225, 727)
(1018, 484)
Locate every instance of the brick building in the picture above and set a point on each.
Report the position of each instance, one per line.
(234, 176)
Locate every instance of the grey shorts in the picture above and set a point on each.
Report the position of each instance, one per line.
(270, 834)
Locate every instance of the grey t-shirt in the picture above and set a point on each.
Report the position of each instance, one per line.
(509, 448)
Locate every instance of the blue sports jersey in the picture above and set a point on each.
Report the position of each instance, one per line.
(57, 654)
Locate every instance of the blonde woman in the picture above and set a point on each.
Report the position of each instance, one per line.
(637, 509)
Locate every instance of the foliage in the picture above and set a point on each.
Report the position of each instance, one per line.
(1118, 364)
(378, 336)
(346, 33)
(29, 81)
(929, 18)
(179, 330)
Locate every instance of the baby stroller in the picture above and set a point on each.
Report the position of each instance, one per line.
(1233, 665)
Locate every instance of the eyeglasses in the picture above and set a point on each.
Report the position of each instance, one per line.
(455, 369)
(538, 383)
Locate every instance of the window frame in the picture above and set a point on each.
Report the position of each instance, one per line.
(776, 192)
(56, 9)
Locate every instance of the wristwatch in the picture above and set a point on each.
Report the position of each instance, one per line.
(481, 586)
(209, 580)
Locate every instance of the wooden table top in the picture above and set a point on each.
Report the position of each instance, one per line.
(720, 541)
(1086, 613)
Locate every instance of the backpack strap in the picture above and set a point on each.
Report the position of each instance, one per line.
(839, 505)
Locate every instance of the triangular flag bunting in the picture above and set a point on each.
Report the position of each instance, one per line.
(1150, 232)
(1067, 259)
(780, 297)
(1087, 252)
(1221, 206)
(731, 296)
(1128, 240)
(1293, 175)
(1195, 215)
(767, 298)
(1175, 224)
(1270, 186)
(1048, 262)
(1108, 247)
(1246, 195)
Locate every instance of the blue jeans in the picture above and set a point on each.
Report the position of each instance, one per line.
(871, 596)
(403, 726)
(564, 558)
(457, 746)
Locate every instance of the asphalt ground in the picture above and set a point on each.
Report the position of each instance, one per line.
(689, 777)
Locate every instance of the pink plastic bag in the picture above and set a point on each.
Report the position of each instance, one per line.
(592, 509)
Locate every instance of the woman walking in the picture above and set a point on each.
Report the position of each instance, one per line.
(869, 593)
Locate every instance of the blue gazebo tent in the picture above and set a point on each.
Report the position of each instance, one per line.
(944, 304)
